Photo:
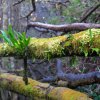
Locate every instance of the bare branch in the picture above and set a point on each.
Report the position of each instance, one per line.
(65, 27)
(18, 2)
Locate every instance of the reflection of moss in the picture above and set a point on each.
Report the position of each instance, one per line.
(71, 95)
(16, 83)
(37, 90)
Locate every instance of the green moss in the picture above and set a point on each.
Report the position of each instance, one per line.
(82, 42)
(46, 47)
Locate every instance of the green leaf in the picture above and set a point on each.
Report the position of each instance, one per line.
(15, 39)
(85, 53)
(97, 50)
(67, 43)
(12, 36)
(5, 37)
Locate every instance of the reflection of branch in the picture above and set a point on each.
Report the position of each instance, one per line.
(18, 2)
(73, 80)
(90, 12)
(65, 27)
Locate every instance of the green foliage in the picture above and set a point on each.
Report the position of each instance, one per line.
(16, 40)
(97, 50)
(19, 43)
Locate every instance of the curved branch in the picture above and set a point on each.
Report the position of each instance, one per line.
(90, 12)
(65, 27)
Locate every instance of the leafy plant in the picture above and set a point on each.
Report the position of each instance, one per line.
(19, 43)
(16, 40)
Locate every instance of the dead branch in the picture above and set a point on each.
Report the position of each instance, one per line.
(65, 27)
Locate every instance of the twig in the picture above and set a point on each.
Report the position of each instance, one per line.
(18, 2)
(90, 12)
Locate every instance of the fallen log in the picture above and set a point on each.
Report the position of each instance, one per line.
(64, 27)
(85, 43)
(38, 90)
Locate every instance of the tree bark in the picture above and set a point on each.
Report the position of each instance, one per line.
(38, 90)
(65, 27)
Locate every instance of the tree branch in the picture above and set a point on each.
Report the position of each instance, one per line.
(65, 27)
(18, 2)
(90, 12)
(79, 44)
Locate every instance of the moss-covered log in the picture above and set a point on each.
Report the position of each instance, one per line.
(38, 90)
(83, 43)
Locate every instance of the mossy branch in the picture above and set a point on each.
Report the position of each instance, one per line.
(84, 43)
